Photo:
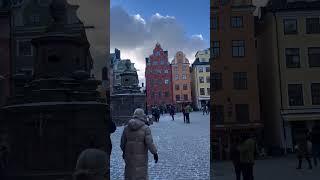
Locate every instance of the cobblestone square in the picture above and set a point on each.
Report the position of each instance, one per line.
(183, 149)
(270, 169)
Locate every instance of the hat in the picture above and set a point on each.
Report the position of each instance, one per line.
(91, 163)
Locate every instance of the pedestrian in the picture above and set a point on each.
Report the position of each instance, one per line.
(235, 157)
(4, 152)
(204, 110)
(112, 129)
(247, 152)
(315, 139)
(172, 112)
(92, 165)
(157, 112)
(136, 140)
(303, 149)
(187, 111)
(207, 109)
(184, 114)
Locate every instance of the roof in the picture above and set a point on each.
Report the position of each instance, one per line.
(299, 5)
(197, 62)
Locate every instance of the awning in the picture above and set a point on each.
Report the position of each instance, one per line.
(312, 114)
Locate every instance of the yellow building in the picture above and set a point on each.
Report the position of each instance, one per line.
(288, 44)
(200, 81)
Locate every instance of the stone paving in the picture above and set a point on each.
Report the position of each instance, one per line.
(283, 168)
(183, 149)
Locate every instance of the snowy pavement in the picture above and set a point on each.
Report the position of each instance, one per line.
(183, 149)
(270, 169)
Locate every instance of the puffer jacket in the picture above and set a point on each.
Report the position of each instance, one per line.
(136, 140)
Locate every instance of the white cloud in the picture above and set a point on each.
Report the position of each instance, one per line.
(136, 37)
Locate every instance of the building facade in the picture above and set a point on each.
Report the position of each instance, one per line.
(236, 107)
(158, 78)
(290, 68)
(5, 38)
(181, 80)
(201, 79)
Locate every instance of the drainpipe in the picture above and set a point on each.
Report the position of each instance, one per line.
(280, 82)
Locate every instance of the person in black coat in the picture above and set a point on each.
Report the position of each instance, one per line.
(112, 129)
(315, 139)
(235, 157)
(172, 112)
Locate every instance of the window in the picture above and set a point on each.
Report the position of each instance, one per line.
(201, 79)
(237, 22)
(24, 48)
(200, 69)
(208, 79)
(238, 48)
(184, 76)
(162, 62)
(314, 56)
(153, 94)
(159, 81)
(178, 97)
(160, 93)
(155, 62)
(207, 69)
(216, 48)
(217, 81)
(185, 87)
(166, 71)
(290, 26)
(177, 87)
(35, 19)
(242, 113)
(176, 69)
(315, 93)
(167, 94)
(295, 94)
(215, 23)
(292, 57)
(202, 92)
(185, 97)
(157, 53)
(184, 68)
(177, 77)
(208, 91)
(118, 77)
(312, 25)
(218, 113)
(53, 59)
(166, 81)
(240, 80)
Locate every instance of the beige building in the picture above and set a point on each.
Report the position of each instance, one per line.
(288, 42)
(181, 80)
(200, 74)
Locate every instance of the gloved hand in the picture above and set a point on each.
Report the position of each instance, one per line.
(155, 157)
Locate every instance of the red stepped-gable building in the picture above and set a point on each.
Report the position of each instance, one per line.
(158, 78)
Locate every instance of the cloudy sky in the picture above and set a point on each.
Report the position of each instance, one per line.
(137, 25)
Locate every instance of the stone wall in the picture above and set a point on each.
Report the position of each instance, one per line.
(123, 106)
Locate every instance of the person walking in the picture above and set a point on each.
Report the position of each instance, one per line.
(207, 109)
(4, 154)
(204, 110)
(136, 140)
(303, 149)
(235, 157)
(184, 114)
(247, 152)
(315, 139)
(172, 112)
(157, 110)
(187, 111)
